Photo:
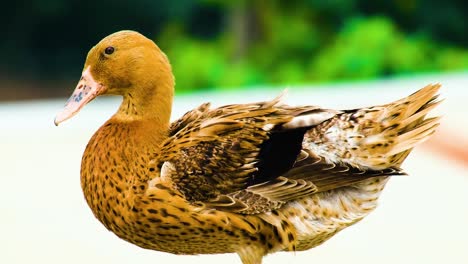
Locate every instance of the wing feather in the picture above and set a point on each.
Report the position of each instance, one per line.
(216, 152)
(311, 175)
(254, 158)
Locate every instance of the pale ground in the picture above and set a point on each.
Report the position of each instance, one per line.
(44, 218)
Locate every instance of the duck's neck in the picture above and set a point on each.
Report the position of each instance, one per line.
(150, 109)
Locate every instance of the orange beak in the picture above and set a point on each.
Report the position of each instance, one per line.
(86, 90)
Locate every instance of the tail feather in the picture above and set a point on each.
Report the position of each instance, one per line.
(425, 109)
(414, 128)
(378, 137)
(416, 101)
(415, 136)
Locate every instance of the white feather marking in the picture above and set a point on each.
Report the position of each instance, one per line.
(303, 227)
(166, 170)
(308, 120)
(268, 127)
(373, 139)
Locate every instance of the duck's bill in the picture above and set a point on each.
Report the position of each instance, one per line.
(86, 90)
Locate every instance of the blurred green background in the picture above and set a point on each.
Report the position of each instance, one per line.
(215, 44)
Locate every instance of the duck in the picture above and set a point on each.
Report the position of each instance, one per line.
(251, 179)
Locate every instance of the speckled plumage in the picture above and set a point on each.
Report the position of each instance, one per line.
(250, 178)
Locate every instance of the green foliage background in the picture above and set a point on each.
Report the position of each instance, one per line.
(216, 44)
(290, 45)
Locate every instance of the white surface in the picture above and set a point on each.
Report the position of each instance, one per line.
(44, 218)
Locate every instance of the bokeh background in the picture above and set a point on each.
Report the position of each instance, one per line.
(216, 45)
(336, 54)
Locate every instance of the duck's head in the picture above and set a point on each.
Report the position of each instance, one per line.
(124, 63)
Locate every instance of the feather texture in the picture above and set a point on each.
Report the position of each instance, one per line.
(226, 159)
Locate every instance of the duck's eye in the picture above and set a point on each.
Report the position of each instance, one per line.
(109, 50)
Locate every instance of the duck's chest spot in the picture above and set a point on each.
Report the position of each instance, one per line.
(111, 203)
(111, 193)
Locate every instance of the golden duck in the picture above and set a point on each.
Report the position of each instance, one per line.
(251, 178)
